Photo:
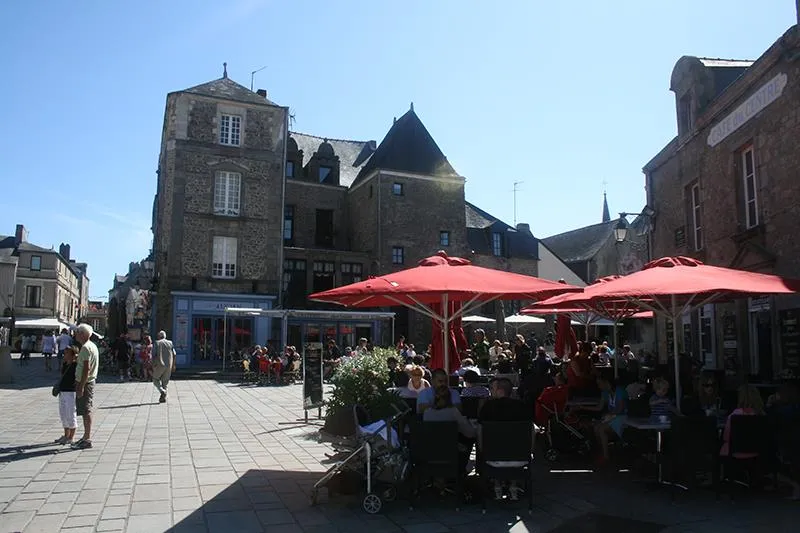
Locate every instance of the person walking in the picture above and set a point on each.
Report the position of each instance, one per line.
(85, 376)
(64, 342)
(122, 350)
(48, 349)
(163, 364)
(26, 347)
(66, 397)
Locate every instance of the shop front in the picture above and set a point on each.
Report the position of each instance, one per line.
(203, 332)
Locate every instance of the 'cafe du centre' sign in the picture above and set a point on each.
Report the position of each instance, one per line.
(764, 96)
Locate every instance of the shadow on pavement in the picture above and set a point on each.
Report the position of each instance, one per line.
(127, 406)
(18, 453)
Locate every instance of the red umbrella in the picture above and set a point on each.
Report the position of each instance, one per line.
(442, 280)
(566, 343)
(671, 286)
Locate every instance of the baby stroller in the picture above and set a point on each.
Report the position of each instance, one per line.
(561, 429)
(375, 455)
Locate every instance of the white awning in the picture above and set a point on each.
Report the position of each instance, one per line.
(476, 318)
(40, 323)
(524, 319)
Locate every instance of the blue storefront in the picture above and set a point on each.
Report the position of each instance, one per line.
(202, 332)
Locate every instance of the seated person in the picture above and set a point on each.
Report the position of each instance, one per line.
(416, 383)
(441, 409)
(397, 376)
(636, 389)
(603, 357)
(425, 397)
(502, 407)
(420, 361)
(504, 364)
(660, 403)
(472, 388)
(749, 402)
(706, 400)
(331, 359)
(614, 403)
(554, 397)
(467, 365)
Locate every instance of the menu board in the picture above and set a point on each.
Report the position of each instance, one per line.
(312, 375)
(790, 340)
(730, 346)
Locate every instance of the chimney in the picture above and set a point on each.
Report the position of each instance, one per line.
(132, 266)
(20, 235)
(263, 92)
(63, 249)
(524, 227)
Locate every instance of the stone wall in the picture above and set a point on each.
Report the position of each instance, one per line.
(306, 198)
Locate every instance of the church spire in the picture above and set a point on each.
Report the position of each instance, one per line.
(606, 214)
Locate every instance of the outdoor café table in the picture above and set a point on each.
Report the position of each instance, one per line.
(659, 426)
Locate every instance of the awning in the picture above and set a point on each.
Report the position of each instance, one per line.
(523, 319)
(476, 318)
(41, 323)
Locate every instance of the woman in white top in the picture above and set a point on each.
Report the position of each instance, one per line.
(416, 383)
(495, 351)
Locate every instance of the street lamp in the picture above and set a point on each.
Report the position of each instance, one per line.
(622, 227)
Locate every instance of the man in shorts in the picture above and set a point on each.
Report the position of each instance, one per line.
(85, 376)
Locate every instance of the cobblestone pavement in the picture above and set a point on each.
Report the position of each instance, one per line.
(225, 457)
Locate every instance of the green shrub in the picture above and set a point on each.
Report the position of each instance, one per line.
(363, 380)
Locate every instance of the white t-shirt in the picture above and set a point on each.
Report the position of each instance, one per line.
(64, 341)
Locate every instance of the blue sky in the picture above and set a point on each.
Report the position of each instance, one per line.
(564, 96)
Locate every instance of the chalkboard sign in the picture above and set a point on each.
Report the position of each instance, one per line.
(730, 344)
(790, 340)
(312, 375)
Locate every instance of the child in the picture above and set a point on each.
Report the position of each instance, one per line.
(66, 397)
(660, 404)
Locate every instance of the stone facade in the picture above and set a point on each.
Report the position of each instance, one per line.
(739, 149)
(192, 158)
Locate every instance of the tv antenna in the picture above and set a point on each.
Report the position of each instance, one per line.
(253, 76)
(515, 189)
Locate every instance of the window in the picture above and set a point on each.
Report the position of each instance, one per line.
(398, 255)
(323, 275)
(351, 273)
(294, 280)
(444, 238)
(227, 190)
(324, 172)
(36, 262)
(33, 296)
(685, 114)
(697, 222)
(750, 193)
(497, 244)
(223, 262)
(288, 225)
(397, 189)
(324, 234)
(290, 169)
(230, 130)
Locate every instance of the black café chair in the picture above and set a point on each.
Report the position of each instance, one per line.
(507, 441)
(434, 454)
(749, 434)
(693, 446)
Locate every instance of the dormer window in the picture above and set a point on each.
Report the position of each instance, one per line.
(324, 173)
(685, 114)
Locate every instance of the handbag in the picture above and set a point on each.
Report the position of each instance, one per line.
(57, 388)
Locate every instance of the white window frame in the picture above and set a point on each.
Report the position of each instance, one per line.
(497, 244)
(227, 193)
(223, 257)
(39, 257)
(230, 129)
(38, 294)
(697, 226)
(288, 223)
(398, 255)
(749, 223)
(444, 238)
(397, 189)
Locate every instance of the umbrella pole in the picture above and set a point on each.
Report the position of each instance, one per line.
(445, 331)
(678, 392)
(224, 338)
(616, 352)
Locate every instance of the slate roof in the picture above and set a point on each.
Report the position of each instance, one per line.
(725, 71)
(229, 90)
(408, 147)
(7, 256)
(7, 242)
(580, 244)
(481, 225)
(352, 154)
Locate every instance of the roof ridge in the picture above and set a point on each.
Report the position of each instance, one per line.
(725, 59)
(489, 215)
(583, 228)
(326, 138)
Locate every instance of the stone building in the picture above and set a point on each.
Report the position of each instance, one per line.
(47, 284)
(725, 191)
(280, 215)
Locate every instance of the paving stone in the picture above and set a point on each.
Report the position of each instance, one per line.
(78, 521)
(55, 508)
(111, 525)
(149, 523)
(110, 513)
(24, 505)
(44, 524)
(239, 521)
